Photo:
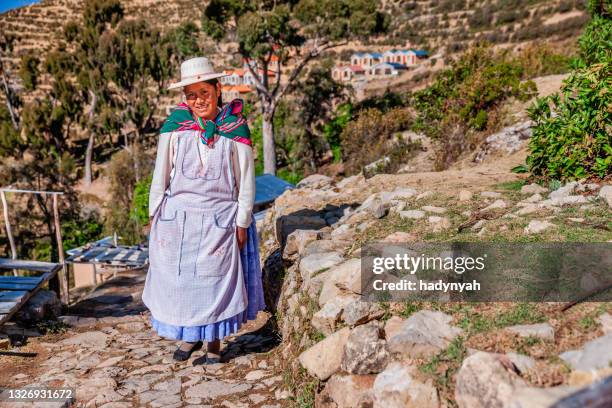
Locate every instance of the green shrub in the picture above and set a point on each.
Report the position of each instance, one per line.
(571, 138)
(596, 41)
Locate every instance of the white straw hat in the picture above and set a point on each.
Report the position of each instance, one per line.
(196, 70)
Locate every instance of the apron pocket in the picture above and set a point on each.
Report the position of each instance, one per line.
(215, 255)
(166, 243)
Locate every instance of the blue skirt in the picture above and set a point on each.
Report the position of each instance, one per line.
(249, 256)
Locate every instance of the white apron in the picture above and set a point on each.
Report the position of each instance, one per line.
(195, 273)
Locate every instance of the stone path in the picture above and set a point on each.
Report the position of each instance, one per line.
(113, 358)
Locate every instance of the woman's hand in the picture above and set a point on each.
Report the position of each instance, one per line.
(241, 235)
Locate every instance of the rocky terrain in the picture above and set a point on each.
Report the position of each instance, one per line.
(321, 345)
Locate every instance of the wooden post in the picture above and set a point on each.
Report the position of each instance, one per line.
(60, 250)
(9, 233)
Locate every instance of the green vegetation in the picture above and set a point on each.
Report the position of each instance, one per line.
(572, 138)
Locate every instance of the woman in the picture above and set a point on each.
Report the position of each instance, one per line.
(204, 278)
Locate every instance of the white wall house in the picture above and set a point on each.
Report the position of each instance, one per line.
(347, 72)
(366, 59)
(235, 77)
(386, 69)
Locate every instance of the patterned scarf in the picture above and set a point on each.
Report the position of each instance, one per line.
(229, 123)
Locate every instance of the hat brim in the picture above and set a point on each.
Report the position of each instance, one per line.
(195, 80)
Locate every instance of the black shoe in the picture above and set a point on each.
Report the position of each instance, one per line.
(182, 355)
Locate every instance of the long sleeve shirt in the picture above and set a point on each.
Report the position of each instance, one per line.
(243, 167)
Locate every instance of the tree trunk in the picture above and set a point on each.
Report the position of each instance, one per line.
(90, 143)
(269, 150)
(9, 104)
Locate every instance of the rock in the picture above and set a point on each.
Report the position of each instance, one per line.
(324, 245)
(44, 305)
(316, 181)
(534, 198)
(465, 195)
(594, 355)
(312, 264)
(344, 278)
(433, 209)
(533, 188)
(412, 214)
(286, 224)
(478, 226)
(324, 358)
(484, 382)
(393, 326)
(605, 193)
(297, 241)
(131, 327)
(423, 334)
(215, 388)
(255, 375)
(5, 344)
(563, 191)
(359, 312)
(539, 330)
(400, 236)
(91, 339)
(374, 205)
(351, 181)
(439, 223)
(424, 194)
(536, 226)
(400, 193)
(522, 362)
(532, 397)
(78, 321)
(110, 362)
(327, 317)
(606, 323)
(508, 140)
(490, 194)
(345, 391)
(365, 351)
(497, 204)
(397, 387)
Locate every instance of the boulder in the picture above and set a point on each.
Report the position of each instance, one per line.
(324, 358)
(315, 181)
(564, 191)
(537, 226)
(605, 193)
(594, 355)
(327, 317)
(412, 214)
(297, 241)
(533, 397)
(484, 382)
(345, 277)
(540, 330)
(312, 264)
(360, 312)
(345, 391)
(398, 387)
(533, 188)
(365, 351)
(423, 335)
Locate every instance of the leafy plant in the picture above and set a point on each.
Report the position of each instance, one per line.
(571, 138)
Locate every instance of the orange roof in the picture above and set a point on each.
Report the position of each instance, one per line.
(239, 72)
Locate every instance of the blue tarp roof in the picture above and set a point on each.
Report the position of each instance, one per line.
(268, 187)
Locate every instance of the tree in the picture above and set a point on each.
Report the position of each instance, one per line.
(98, 17)
(12, 101)
(295, 32)
(29, 71)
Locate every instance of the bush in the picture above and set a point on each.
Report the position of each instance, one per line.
(370, 137)
(571, 136)
(596, 41)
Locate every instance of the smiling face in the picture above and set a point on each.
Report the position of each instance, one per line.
(202, 98)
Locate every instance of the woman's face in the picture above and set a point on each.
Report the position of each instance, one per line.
(202, 99)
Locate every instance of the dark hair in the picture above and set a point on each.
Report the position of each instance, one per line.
(214, 83)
